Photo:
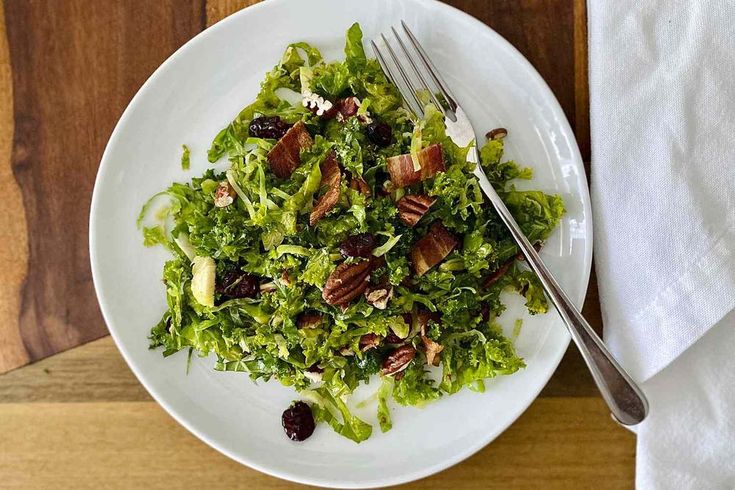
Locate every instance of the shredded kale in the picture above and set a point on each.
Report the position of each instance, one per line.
(265, 232)
(185, 157)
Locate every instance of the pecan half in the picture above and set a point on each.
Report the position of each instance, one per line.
(284, 157)
(224, 195)
(398, 360)
(331, 179)
(432, 248)
(369, 341)
(432, 350)
(496, 134)
(379, 295)
(412, 207)
(402, 173)
(347, 282)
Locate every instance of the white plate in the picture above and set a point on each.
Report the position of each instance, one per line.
(198, 91)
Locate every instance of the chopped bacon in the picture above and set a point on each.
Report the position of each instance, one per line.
(432, 248)
(401, 169)
(503, 269)
(359, 184)
(498, 273)
(331, 179)
(412, 207)
(284, 157)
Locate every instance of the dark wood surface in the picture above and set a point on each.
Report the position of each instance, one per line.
(75, 66)
(68, 68)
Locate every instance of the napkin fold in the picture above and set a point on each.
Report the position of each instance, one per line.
(662, 112)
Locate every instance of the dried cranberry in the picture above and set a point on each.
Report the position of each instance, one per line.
(379, 133)
(314, 368)
(238, 284)
(298, 421)
(268, 127)
(360, 245)
(485, 312)
(392, 338)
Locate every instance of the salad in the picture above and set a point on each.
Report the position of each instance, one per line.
(346, 242)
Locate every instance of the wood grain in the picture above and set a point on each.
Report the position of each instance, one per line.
(581, 82)
(219, 9)
(75, 66)
(93, 372)
(557, 442)
(542, 30)
(13, 233)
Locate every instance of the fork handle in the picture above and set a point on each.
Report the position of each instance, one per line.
(625, 399)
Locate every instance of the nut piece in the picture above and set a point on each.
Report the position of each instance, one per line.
(308, 320)
(412, 207)
(432, 350)
(398, 360)
(378, 296)
(496, 134)
(224, 195)
(369, 341)
(358, 184)
(347, 282)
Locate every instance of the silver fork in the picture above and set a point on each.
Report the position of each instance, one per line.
(627, 403)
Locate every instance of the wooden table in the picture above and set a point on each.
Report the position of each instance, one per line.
(79, 418)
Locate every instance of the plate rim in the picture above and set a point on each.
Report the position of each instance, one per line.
(405, 478)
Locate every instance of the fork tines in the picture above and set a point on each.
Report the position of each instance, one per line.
(416, 84)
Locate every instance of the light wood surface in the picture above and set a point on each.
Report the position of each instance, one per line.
(79, 419)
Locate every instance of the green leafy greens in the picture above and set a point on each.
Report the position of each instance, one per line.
(263, 231)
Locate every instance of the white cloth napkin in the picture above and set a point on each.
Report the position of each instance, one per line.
(662, 103)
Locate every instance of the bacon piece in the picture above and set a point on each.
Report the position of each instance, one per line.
(284, 156)
(401, 169)
(503, 269)
(412, 207)
(331, 179)
(359, 184)
(432, 248)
